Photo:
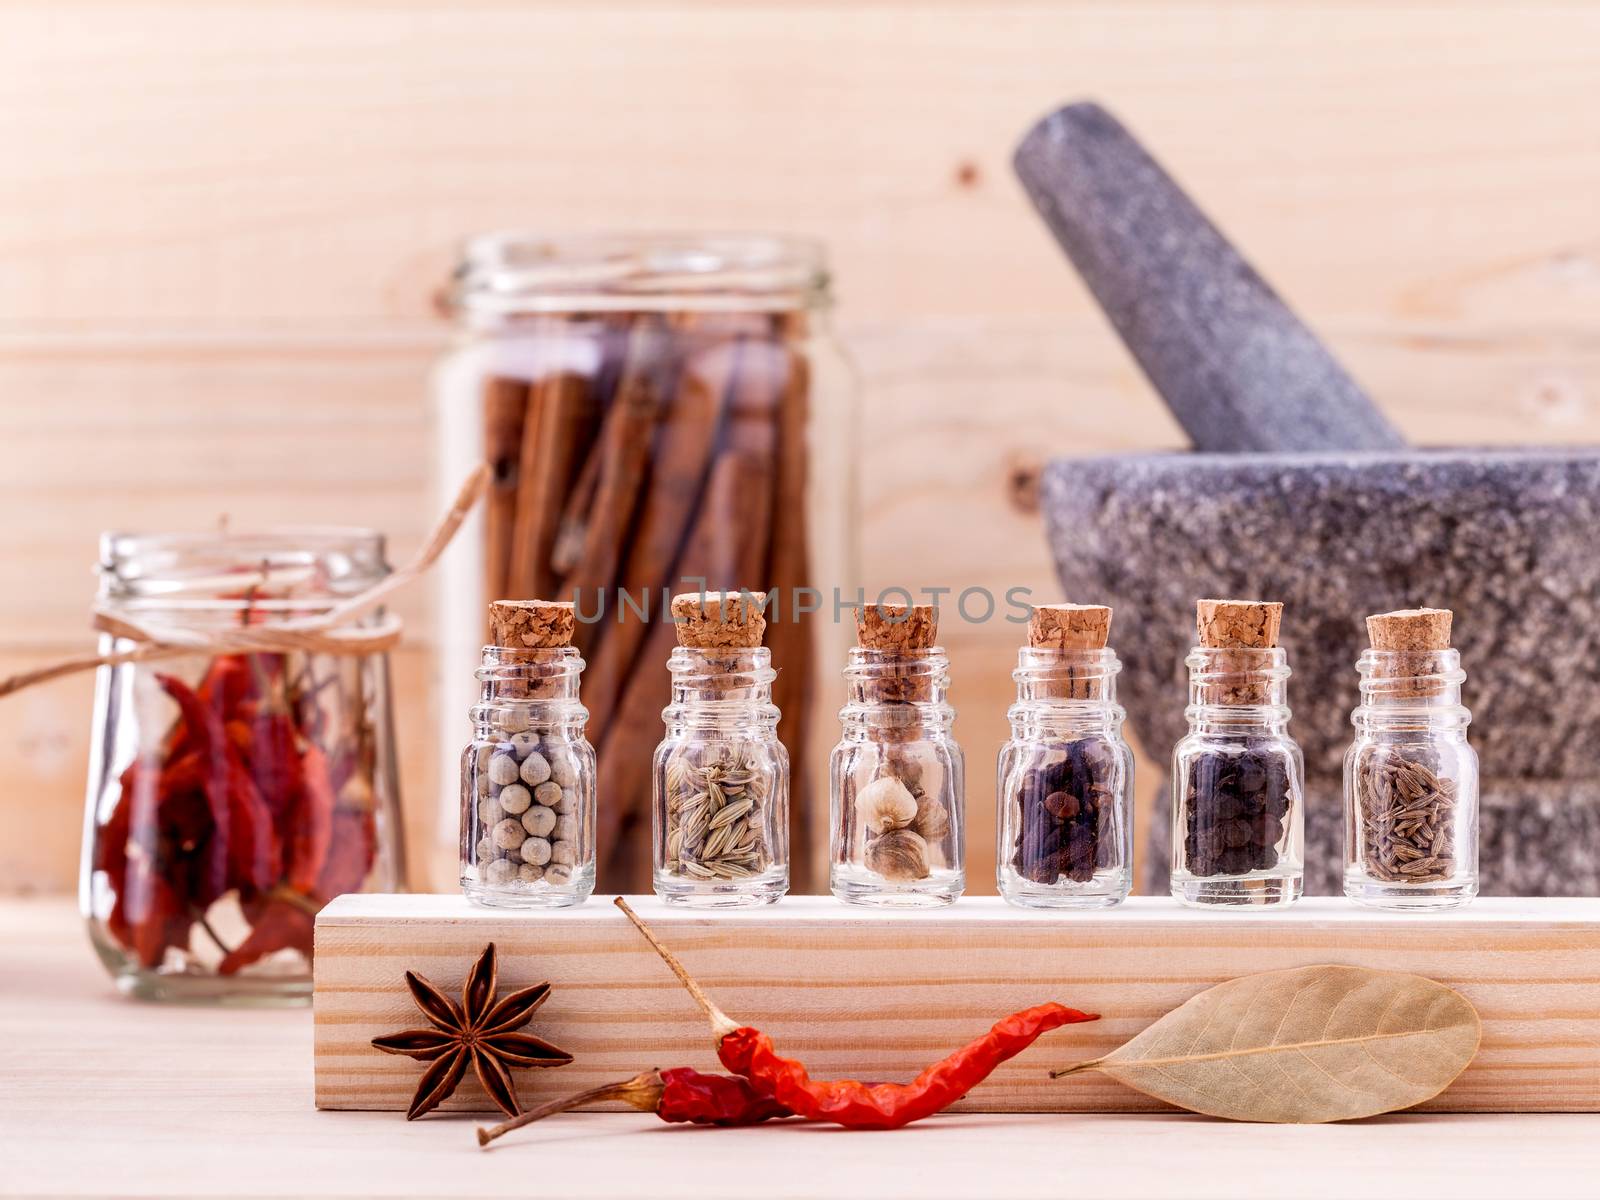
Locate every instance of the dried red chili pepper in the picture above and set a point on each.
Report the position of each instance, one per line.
(313, 826)
(285, 920)
(749, 1052)
(679, 1096)
(254, 855)
(227, 684)
(208, 738)
(233, 798)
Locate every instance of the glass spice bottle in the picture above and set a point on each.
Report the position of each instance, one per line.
(1410, 778)
(897, 777)
(528, 777)
(1066, 776)
(232, 795)
(1238, 814)
(720, 777)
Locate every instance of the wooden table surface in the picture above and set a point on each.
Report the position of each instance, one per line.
(99, 1094)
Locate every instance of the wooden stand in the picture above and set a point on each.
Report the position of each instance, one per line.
(878, 996)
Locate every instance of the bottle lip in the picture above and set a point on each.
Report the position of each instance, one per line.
(732, 668)
(866, 663)
(1043, 662)
(1402, 667)
(1211, 664)
(511, 272)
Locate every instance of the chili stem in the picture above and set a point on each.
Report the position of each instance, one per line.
(645, 1086)
(721, 1023)
(1091, 1065)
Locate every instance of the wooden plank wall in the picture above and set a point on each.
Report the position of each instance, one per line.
(222, 225)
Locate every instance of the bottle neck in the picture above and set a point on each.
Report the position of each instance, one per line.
(1408, 690)
(1065, 693)
(896, 697)
(1236, 690)
(724, 689)
(541, 684)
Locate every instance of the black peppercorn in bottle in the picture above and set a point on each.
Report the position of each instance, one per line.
(1238, 819)
(1066, 776)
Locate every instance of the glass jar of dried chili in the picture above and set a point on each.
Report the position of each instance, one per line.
(232, 795)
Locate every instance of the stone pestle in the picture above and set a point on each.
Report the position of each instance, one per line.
(1237, 368)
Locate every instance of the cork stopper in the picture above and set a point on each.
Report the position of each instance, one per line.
(897, 628)
(1418, 629)
(532, 624)
(1413, 637)
(1069, 626)
(1238, 624)
(719, 620)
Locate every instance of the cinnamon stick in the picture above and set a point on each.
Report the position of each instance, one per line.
(505, 401)
(626, 437)
(779, 370)
(558, 417)
(678, 476)
(627, 751)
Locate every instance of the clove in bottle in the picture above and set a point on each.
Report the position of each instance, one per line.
(1238, 816)
(1410, 778)
(1066, 776)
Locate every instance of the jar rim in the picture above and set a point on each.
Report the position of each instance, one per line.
(511, 272)
(122, 543)
(194, 567)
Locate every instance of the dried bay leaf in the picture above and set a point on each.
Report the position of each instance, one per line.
(1327, 1043)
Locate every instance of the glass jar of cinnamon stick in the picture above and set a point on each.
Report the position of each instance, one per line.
(1410, 778)
(663, 414)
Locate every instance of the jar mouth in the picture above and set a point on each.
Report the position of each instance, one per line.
(276, 568)
(512, 272)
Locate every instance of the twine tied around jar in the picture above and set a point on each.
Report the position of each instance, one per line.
(330, 632)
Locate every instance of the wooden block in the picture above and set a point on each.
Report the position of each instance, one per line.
(880, 995)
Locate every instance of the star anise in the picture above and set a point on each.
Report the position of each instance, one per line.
(478, 1031)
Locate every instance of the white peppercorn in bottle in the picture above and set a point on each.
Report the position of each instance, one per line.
(897, 777)
(528, 778)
